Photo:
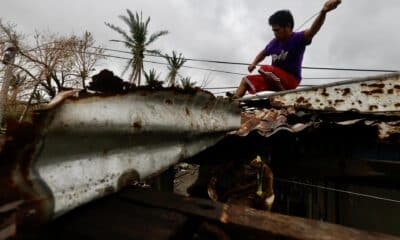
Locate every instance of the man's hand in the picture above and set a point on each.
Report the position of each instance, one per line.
(330, 5)
(251, 67)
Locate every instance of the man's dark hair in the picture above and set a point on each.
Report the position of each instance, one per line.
(282, 18)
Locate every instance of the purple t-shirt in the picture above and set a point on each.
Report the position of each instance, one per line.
(288, 55)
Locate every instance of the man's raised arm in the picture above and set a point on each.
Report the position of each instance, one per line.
(328, 6)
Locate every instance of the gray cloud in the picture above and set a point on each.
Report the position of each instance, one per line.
(358, 34)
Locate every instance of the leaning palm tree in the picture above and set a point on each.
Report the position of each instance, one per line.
(175, 62)
(137, 41)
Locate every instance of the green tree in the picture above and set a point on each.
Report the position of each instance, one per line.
(175, 62)
(137, 41)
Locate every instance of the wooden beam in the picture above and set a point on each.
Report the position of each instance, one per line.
(271, 224)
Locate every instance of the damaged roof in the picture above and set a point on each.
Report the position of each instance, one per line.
(371, 101)
(80, 148)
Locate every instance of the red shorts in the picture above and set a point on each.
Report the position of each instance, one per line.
(257, 83)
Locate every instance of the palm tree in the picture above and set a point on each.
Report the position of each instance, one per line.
(187, 83)
(152, 79)
(137, 41)
(175, 62)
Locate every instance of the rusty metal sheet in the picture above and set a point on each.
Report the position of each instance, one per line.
(376, 94)
(267, 122)
(388, 129)
(86, 148)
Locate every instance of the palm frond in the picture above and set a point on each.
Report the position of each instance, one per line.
(187, 83)
(132, 18)
(136, 40)
(175, 62)
(120, 31)
(154, 52)
(156, 35)
(152, 79)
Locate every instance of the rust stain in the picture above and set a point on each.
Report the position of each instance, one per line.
(300, 100)
(168, 101)
(137, 125)
(324, 93)
(373, 107)
(397, 105)
(339, 101)
(377, 85)
(376, 91)
(21, 142)
(390, 91)
(276, 102)
(306, 105)
(397, 87)
(187, 111)
(346, 91)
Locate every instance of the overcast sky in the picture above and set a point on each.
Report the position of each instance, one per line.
(359, 34)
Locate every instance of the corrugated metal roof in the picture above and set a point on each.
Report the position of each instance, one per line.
(372, 101)
(83, 148)
(270, 121)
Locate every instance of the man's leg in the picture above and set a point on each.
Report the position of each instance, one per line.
(241, 90)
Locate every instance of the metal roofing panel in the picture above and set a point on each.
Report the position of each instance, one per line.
(85, 148)
(375, 94)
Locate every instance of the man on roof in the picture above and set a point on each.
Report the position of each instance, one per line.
(287, 50)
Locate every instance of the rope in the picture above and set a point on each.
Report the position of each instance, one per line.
(308, 19)
(339, 190)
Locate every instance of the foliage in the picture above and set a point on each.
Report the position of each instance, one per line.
(152, 79)
(56, 62)
(187, 83)
(47, 65)
(175, 62)
(137, 41)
